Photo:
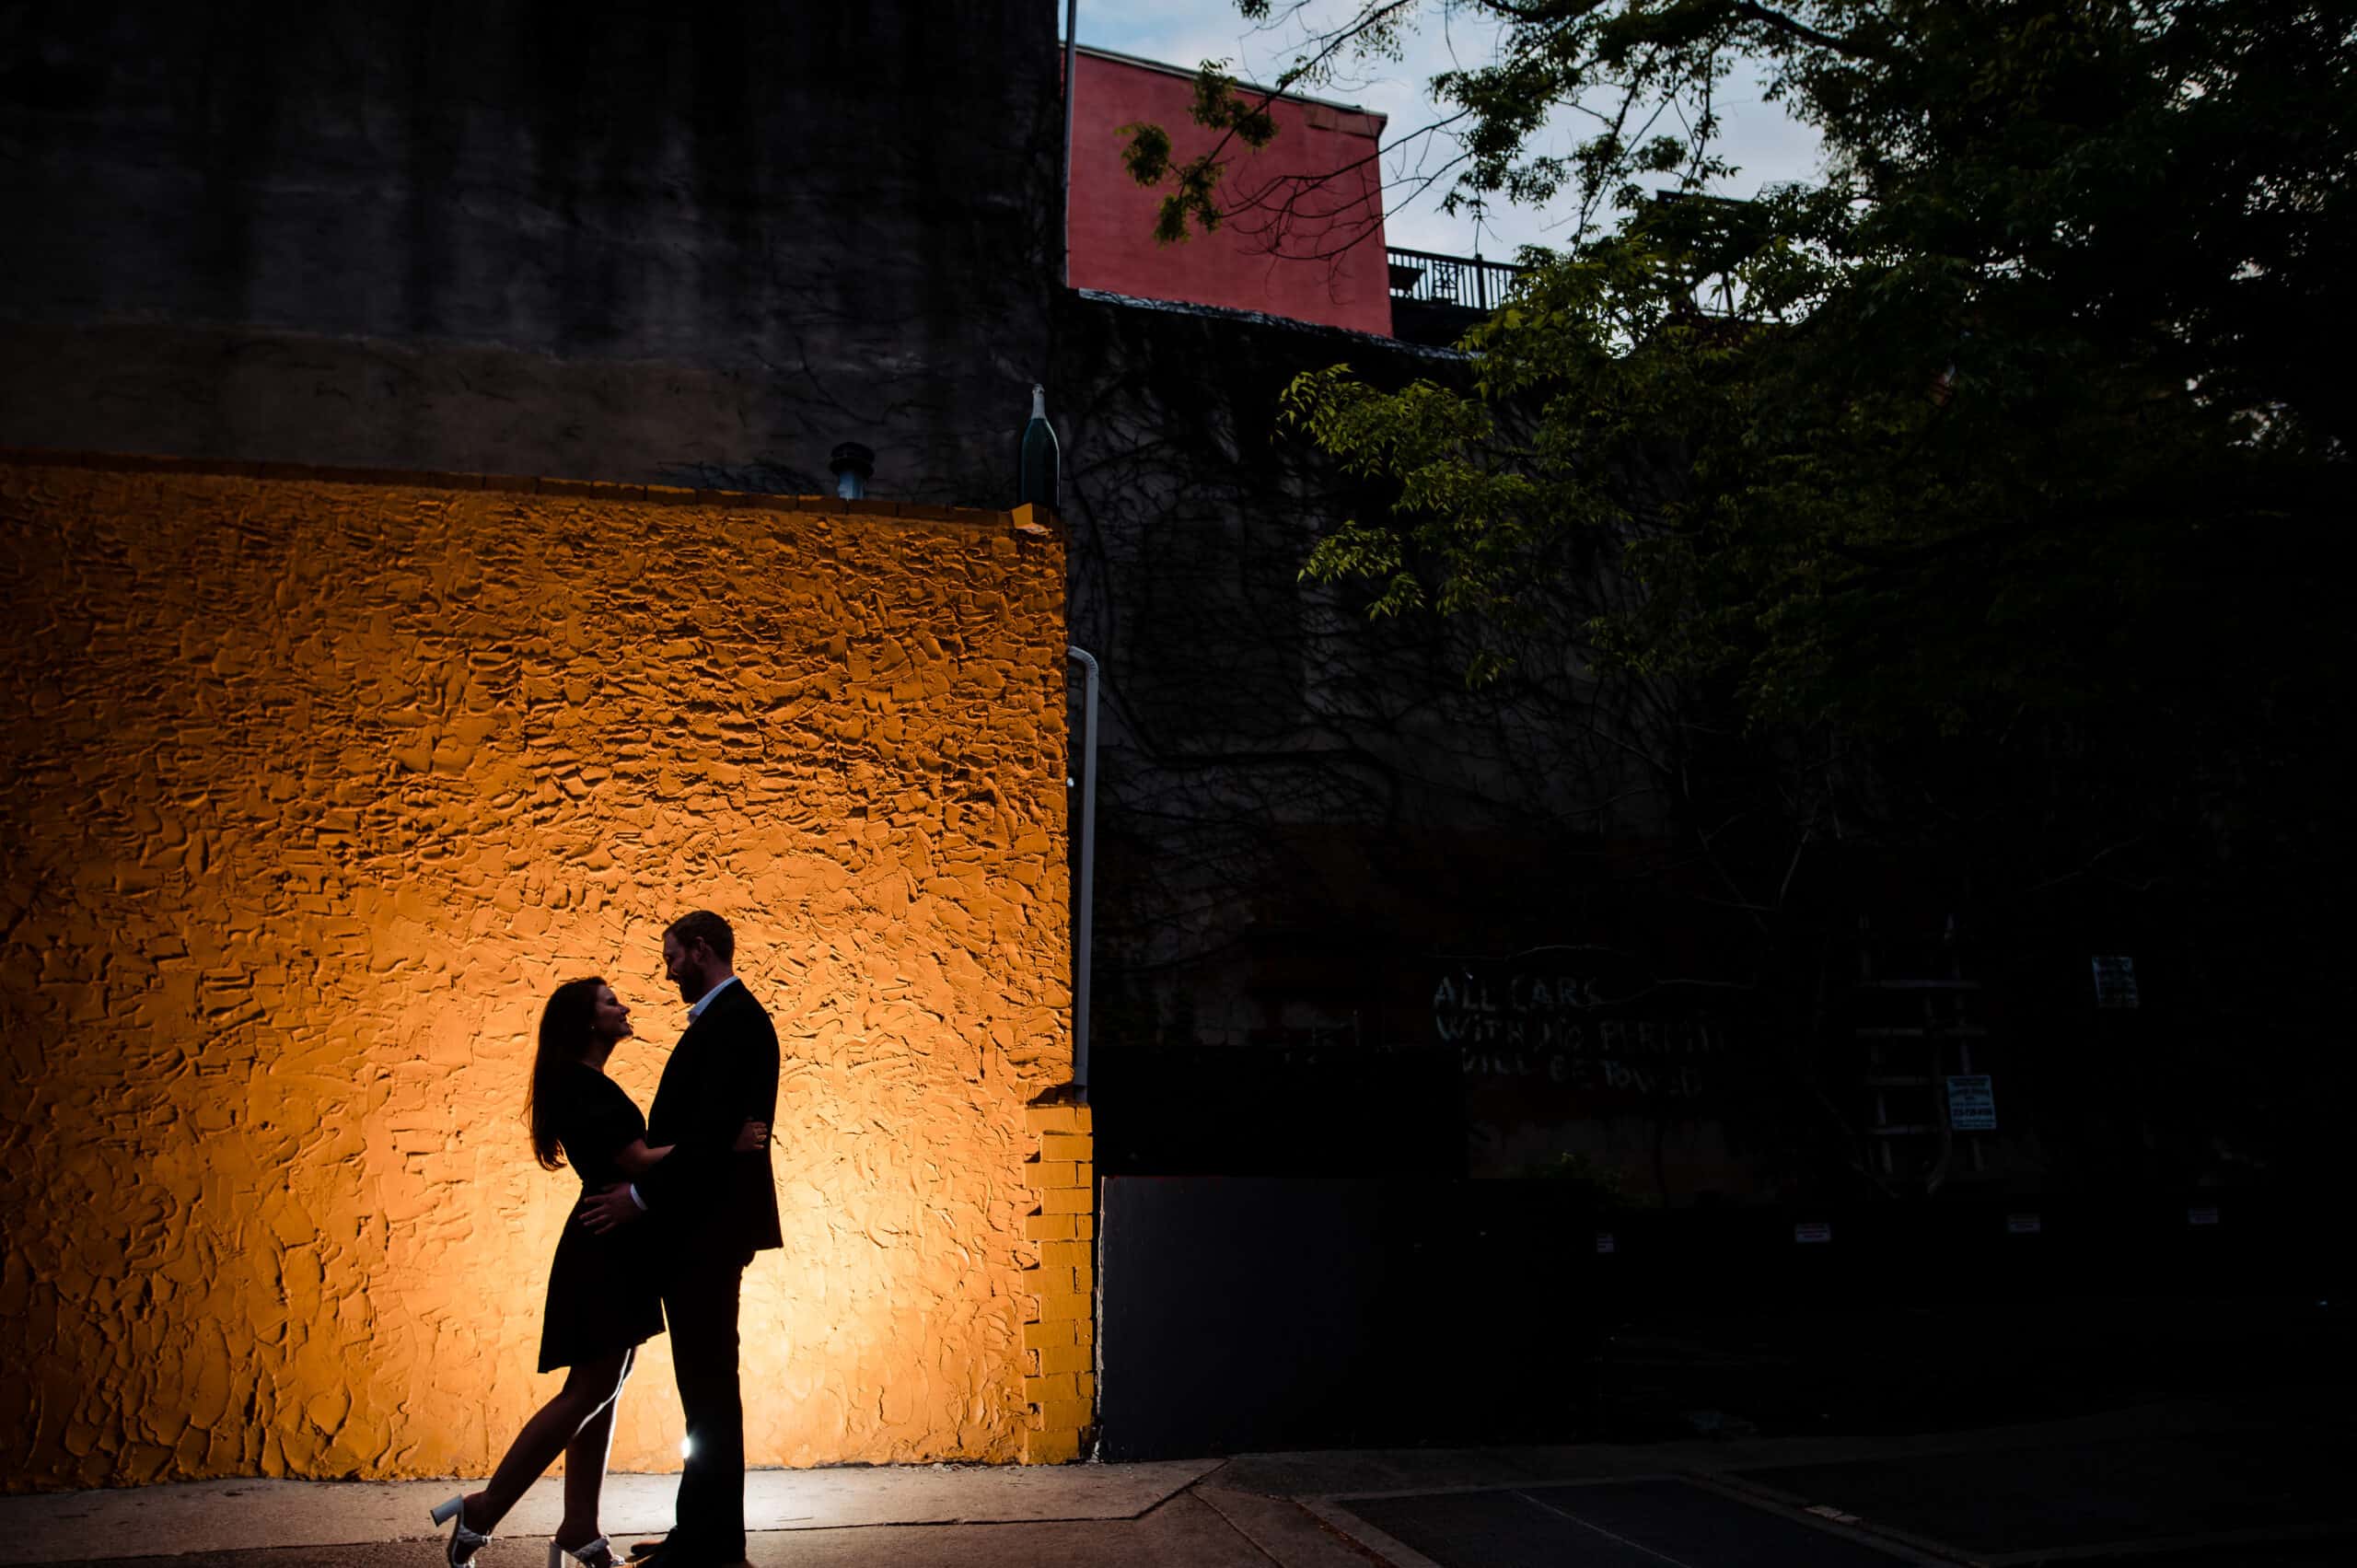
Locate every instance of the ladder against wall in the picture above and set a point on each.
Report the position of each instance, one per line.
(1919, 1022)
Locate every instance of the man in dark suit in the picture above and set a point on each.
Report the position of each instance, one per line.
(718, 1208)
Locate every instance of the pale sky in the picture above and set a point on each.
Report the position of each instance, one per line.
(1767, 144)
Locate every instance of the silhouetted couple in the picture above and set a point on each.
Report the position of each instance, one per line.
(698, 1165)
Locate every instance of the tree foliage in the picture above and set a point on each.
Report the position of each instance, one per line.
(1993, 486)
(1195, 182)
(2005, 415)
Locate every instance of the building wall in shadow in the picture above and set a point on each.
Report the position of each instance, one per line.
(697, 245)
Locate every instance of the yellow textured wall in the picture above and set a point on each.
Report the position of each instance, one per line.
(1059, 1328)
(316, 785)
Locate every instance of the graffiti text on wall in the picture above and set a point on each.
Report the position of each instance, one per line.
(1546, 1028)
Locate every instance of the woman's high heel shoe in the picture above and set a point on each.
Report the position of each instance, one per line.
(464, 1542)
(598, 1553)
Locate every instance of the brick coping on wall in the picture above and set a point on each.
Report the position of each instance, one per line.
(1035, 520)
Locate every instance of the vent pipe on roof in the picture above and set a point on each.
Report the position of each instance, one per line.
(1084, 896)
(1071, 45)
(1039, 464)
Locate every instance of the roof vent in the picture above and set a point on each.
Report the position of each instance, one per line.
(1037, 472)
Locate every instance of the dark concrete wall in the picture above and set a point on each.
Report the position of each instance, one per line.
(1308, 821)
(698, 243)
(1240, 1316)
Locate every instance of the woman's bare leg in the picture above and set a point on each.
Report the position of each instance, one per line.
(588, 1389)
(585, 1467)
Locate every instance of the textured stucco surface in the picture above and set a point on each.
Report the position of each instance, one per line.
(314, 787)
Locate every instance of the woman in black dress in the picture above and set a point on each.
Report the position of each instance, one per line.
(603, 1301)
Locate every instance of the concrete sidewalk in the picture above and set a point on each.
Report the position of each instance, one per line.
(1451, 1508)
(253, 1516)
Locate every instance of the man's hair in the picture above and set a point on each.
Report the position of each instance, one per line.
(703, 926)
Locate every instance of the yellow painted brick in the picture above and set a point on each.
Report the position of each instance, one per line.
(1047, 1336)
(1051, 1447)
(1041, 1391)
(1069, 1201)
(1068, 1147)
(1056, 1227)
(1085, 1332)
(1068, 1358)
(1087, 1383)
(1088, 1117)
(1084, 1174)
(1055, 1308)
(1084, 1280)
(1083, 1227)
(1053, 1117)
(1065, 1255)
(1048, 1173)
(1059, 1415)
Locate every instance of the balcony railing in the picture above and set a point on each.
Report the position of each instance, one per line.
(1422, 278)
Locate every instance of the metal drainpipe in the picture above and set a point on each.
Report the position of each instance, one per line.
(1087, 921)
(1071, 43)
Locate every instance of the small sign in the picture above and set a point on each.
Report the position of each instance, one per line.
(1972, 1104)
(1604, 1242)
(2206, 1214)
(2024, 1224)
(1812, 1230)
(2115, 982)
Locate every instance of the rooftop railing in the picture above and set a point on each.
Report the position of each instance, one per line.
(1470, 282)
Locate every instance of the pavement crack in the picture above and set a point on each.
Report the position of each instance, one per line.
(1344, 1537)
(1221, 1515)
(1599, 1530)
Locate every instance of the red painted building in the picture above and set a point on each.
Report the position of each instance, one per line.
(1321, 170)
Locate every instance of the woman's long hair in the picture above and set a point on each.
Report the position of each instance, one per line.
(565, 1023)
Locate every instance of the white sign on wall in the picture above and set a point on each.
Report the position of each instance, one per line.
(2115, 982)
(1972, 1104)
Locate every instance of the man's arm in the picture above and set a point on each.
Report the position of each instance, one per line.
(740, 1087)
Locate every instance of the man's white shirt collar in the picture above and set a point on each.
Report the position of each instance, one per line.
(705, 1001)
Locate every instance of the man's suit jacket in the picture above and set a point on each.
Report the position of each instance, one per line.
(711, 1204)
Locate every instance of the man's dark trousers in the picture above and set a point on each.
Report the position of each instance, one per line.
(701, 1305)
(717, 1208)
